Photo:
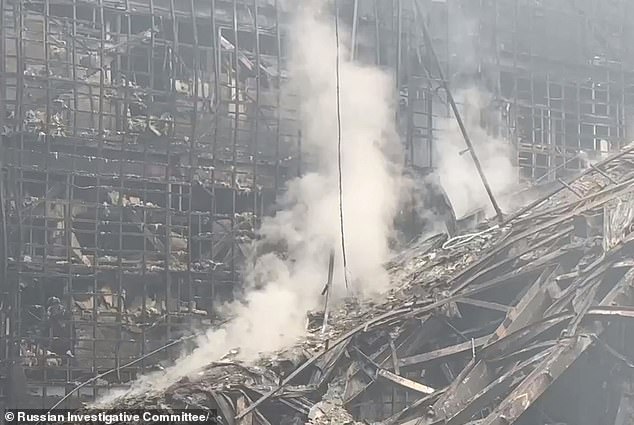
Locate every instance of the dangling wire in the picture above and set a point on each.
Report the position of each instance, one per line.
(343, 238)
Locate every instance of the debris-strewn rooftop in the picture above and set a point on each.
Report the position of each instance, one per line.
(476, 329)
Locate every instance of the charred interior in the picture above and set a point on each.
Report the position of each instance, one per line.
(144, 142)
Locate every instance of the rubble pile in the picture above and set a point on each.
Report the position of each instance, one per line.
(504, 325)
(330, 410)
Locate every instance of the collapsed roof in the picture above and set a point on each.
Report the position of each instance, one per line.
(501, 326)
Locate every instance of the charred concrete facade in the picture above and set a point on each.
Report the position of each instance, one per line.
(143, 141)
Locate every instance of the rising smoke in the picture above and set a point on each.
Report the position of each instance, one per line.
(283, 288)
(453, 163)
(456, 169)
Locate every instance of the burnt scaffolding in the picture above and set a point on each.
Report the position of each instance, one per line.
(142, 142)
(559, 75)
(565, 72)
(560, 72)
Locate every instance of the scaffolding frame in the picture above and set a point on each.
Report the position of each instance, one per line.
(139, 160)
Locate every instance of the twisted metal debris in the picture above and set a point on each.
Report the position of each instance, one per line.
(505, 327)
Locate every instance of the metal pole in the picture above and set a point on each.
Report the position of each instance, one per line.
(454, 108)
(299, 153)
(326, 291)
(353, 42)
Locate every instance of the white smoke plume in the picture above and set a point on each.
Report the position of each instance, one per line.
(455, 167)
(281, 289)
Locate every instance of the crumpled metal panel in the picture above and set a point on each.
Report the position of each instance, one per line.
(617, 222)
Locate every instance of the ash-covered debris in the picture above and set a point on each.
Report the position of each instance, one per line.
(330, 410)
(483, 326)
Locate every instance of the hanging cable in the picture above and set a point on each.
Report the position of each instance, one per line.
(343, 237)
(460, 240)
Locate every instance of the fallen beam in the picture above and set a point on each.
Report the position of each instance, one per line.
(463, 347)
(394, 378)
(409, 409)
(404, 382)
(564, 355)
(489, 305)
(538, 381)
(499, 387)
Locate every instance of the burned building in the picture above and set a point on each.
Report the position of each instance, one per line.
(141, 144)
(143, 141)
